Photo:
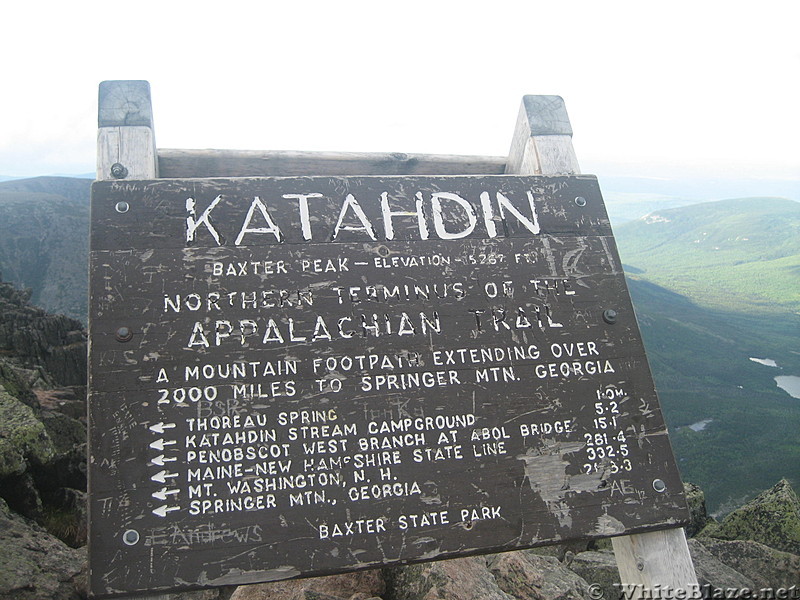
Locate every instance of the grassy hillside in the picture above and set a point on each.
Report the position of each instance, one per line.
(740, 255)
(715, 284)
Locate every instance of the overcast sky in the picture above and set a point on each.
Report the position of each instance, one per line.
(652, 89)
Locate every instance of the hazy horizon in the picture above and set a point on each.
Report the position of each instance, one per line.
(696, 90)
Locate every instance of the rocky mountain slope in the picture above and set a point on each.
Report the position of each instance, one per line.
(44, 241)
(43, 521)
(42, 450)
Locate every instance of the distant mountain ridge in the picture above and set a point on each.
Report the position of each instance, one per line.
(89, 176)
(630, 198)
(73, 188)
(696, 189)
(741, 254)
(44, 241)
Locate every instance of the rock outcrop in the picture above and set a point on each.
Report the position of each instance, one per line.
(42, 416)
(463, 578)
(598, 567)
(764, 566)
(772, 519)
(698, 514)
(52, 346)
(24, 442)
(713, 572)
(364, 585)
(34, 565)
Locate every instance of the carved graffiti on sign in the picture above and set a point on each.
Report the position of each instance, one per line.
(300, 376)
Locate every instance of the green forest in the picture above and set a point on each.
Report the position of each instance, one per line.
(714, 285)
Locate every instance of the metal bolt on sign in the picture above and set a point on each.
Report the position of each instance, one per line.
(610, 316)
(119, 171)
(130, 537)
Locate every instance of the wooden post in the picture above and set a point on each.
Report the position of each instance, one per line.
(542, 145)
(126, 147)
(658, 558)
(542, 142)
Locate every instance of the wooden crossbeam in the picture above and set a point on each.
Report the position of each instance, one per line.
(174, 163)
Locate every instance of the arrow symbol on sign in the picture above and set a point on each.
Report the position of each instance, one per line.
(164, 492)
(160, 427)
(160, 443)
(162, 511)
(162, 476)
(161, 459)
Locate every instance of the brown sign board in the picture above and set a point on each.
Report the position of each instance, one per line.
(305, 376)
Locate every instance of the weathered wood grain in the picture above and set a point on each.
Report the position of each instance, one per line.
(124, 104)
(126, 149)
(162, 207)
(125, 135)
(131, 147)
(179, 163)
(655, 560)
(542, 140)
(542, 144)
(522, 336)
(480, 388)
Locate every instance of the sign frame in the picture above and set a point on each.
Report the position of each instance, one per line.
(183, 234)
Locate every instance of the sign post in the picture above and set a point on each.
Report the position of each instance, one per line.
(297, 376)
(542, 144)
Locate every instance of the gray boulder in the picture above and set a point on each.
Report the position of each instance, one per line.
(529, 576)
(17, 382)
(599, 568)
(457, 579)
(43, 467)
(696, 499)
(34, 565)
(24, 441)
(713, 572)
(522, 575)
(762, 565)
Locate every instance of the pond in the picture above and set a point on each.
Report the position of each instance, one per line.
(700, 425)
(765, 361)
(790, 384)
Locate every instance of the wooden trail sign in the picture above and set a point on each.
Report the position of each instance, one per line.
(296, 376)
